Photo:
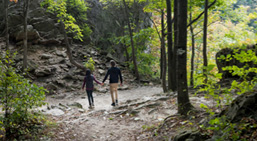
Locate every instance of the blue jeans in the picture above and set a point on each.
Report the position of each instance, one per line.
(90, 97)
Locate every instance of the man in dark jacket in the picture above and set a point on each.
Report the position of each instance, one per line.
(115, 74)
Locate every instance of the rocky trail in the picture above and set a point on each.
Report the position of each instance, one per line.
(140, 110)
(104, 122)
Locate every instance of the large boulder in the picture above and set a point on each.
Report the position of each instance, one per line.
(45, 25)
(243, 106)
(32, 34)
(242, 109)
(221, 63)
(43, 71)
(15, 19)
(38, 12)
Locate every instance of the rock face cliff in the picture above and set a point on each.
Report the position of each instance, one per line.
(42, 27)
(105, 21)
(47, 58)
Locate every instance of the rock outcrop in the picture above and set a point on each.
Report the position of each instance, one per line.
(102, 19)
(242, 110)
(230, 51)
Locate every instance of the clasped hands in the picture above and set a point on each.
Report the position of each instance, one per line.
(103, 84)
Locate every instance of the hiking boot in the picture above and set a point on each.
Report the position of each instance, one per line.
(113, 104)
(116, 102)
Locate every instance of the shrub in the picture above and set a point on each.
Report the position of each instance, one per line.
(90, 64)
(18, 97)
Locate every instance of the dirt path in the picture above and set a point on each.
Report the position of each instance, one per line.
(103, 101)
(138, 108)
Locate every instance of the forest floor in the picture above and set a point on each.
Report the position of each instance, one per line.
(141, 111)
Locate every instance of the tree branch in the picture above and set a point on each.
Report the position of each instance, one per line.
(199, 16)
(202, 30)
(154, 25)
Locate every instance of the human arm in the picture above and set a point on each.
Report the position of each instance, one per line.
(84, 83)
(121, 80)
(97, 81)
(108, 72)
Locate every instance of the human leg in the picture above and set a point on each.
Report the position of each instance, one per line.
(89, 97)
(92, 98)
(116, 92)
(112, 91)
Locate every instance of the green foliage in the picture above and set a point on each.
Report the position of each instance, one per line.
(90, 64)
(18, 97)
(146, 55)
(78, 9)
(59, 8)
(223, 129)
(248, 58)
(221, 125)
(149, 128)
(212, 88)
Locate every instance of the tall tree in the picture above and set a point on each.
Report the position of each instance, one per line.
(205, 24)
(25, 40)
(184, 105)
(6, 6)
(193, 47)
(160, 5)
(174, 64)
(68, 26)
(131, 40)
(163, 53)
(171, 62)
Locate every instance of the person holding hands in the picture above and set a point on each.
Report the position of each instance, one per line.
(115, 74)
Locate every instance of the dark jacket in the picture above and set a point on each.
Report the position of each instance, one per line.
(88, 81)
(115, 74)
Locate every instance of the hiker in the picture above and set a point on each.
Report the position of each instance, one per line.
(88, 81)
(115, 74)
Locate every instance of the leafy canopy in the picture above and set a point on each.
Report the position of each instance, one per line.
(59, 8)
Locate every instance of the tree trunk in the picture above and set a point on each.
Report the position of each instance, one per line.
(184, 105)
(171, 62)
(6, 6)
(175, 56)
(161, 61)
(69, 53)
(193, 48)
(163, 54)
(132, 42)
(25, 40)
(127, 54)
(125, 47)
(205, 61)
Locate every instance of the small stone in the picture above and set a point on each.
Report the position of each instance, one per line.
(124, 87)
(46, 56)
(101, 71)
(76, 104)
(81, 110)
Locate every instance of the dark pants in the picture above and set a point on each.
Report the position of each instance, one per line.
(90, 97)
